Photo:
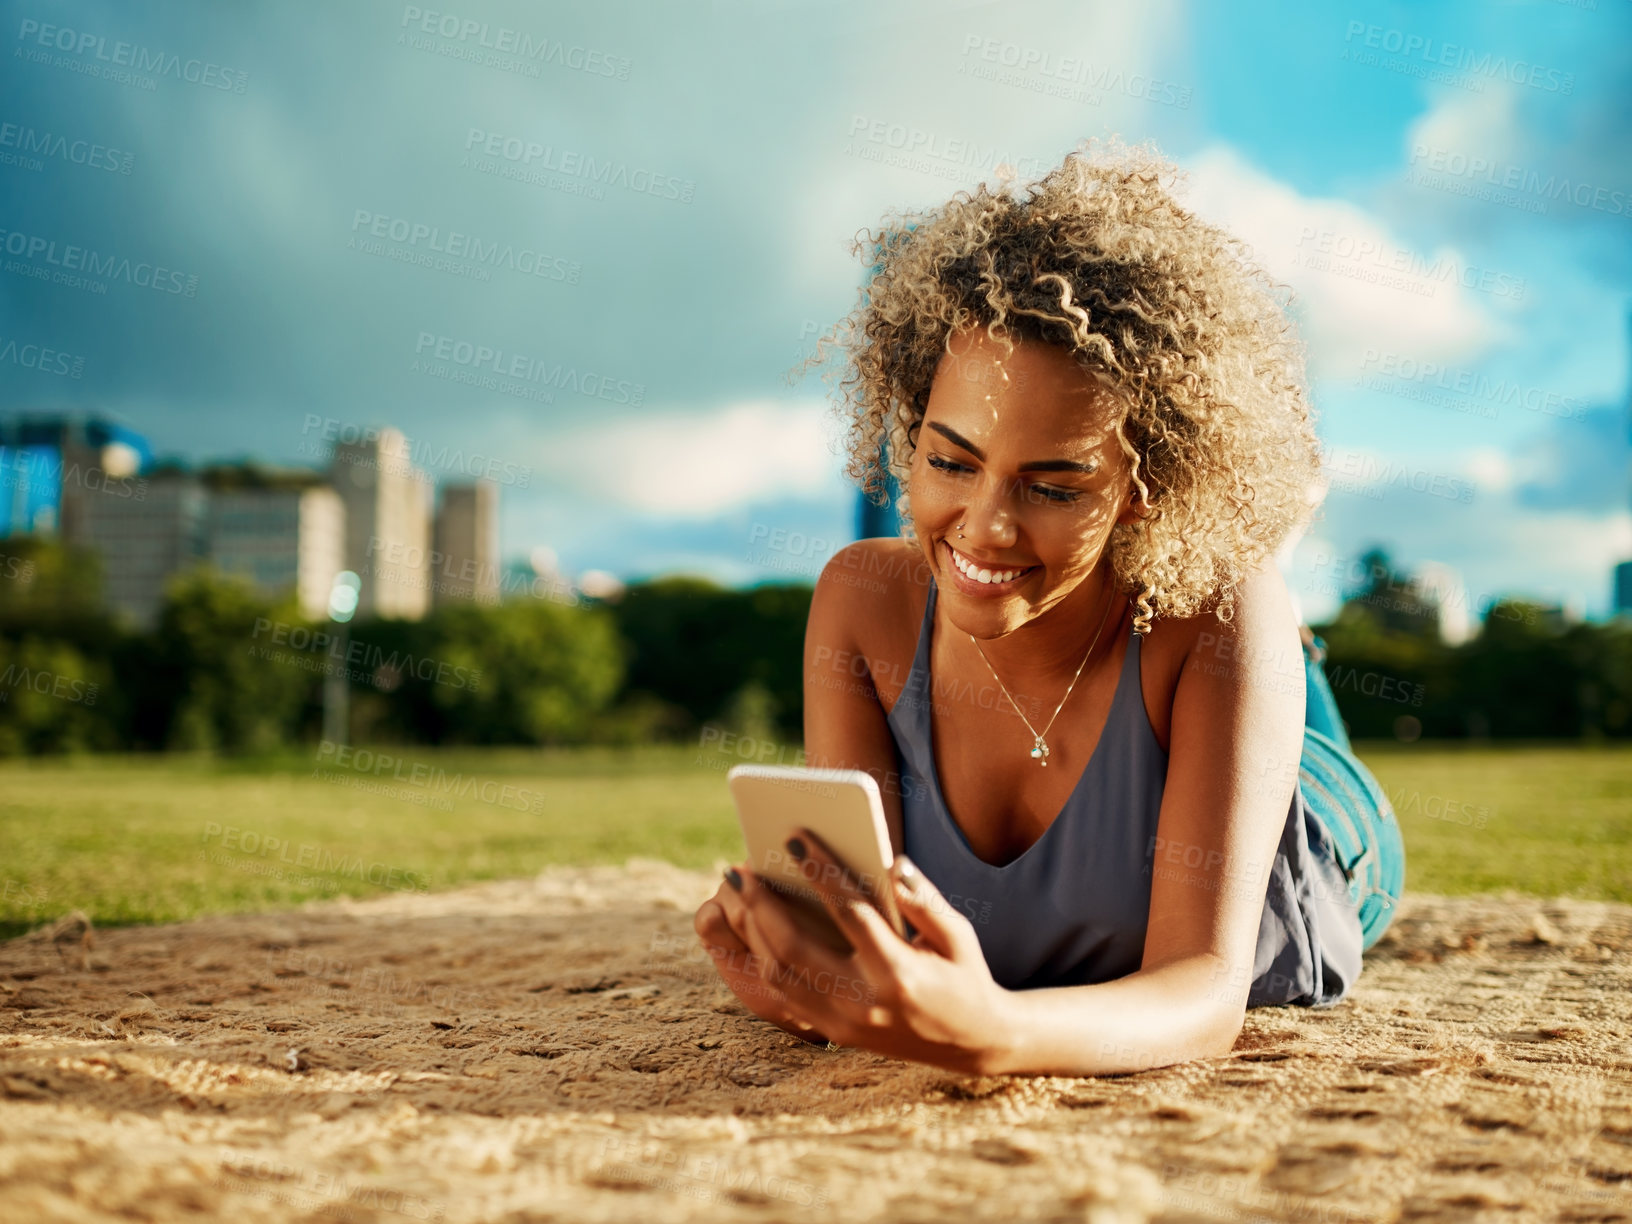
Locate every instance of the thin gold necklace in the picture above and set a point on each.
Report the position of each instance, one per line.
(1039, 745)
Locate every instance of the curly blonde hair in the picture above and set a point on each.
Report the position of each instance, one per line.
(1098, 257)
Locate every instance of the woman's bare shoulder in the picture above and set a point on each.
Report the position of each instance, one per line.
(1262, 606)
(880, 574)
(868, 607)
(1260, 637)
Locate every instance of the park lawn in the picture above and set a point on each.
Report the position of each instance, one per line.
(1549, 820)
(158, 839)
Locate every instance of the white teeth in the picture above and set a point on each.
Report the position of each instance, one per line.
(982, 575)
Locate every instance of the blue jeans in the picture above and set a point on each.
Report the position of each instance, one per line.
(1351, 806)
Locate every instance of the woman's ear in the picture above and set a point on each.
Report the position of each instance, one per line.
(1135, 508)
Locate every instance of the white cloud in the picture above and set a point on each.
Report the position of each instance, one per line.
(1371, 471)
(1460, 507)
(698, 464)
(948, 76)
(1469, 125)
(1497, 546)
(1491, 468)
(1509, 143)
(1362, 289)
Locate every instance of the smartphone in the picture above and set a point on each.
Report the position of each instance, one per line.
(842, 807)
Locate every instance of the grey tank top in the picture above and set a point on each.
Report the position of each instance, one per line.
(1074, 907)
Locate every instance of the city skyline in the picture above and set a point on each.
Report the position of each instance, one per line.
(454, 554)
(367, 519)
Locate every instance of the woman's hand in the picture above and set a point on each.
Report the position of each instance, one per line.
(932, 1000)
(737, 963)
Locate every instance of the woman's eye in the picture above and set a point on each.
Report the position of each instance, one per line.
(1056, 495)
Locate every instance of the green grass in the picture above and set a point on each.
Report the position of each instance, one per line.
(126, 839)
(1541, 819)
(158, 839)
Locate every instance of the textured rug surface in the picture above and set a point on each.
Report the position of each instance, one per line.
(561, 1049)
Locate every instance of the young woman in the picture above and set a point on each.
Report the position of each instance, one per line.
(1078, 678)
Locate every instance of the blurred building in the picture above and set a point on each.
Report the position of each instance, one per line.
(387, 524)
(282, 530)
(1621, 593)
(78, 478)
(143, 541)
(1623, 589)
(90, 482)
(50, 466)
(875, 520)
(1557, 617)
(1443, 590)
(467, 543)
(872, 519)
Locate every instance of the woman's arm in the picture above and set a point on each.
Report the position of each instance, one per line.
(1237, 734)
(846, 726)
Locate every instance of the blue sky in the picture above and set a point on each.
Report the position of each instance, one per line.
(1447, 191)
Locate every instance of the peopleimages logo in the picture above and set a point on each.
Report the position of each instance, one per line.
(1365, 258)
(457, 245)
(32, 465)
(372, 658)
(524, 369)
(1470, 384)
(1520, 180)
(435, 779)
(129, 55)
(507, 41)
(1455, 56)
(604, 172)
(27, 140)
(46, 684)
(912, 141)
(39, 357)
(307, 855)
(70, 258)
(1357, 471)
(1058, 75)
(398, 456)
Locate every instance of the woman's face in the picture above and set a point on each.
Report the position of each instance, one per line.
(1020, 448)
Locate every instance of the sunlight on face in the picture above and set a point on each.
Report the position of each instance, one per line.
(1020, 448)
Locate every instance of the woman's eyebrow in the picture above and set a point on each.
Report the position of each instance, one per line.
(1036, 465)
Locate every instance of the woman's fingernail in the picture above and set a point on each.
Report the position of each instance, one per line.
(733, 877)
(796, 848)
(906, 871)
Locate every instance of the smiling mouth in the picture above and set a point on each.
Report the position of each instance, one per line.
(976, 571)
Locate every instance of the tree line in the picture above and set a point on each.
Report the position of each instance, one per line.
(225, 669)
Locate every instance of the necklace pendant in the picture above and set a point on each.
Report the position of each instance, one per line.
(1039, 751)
